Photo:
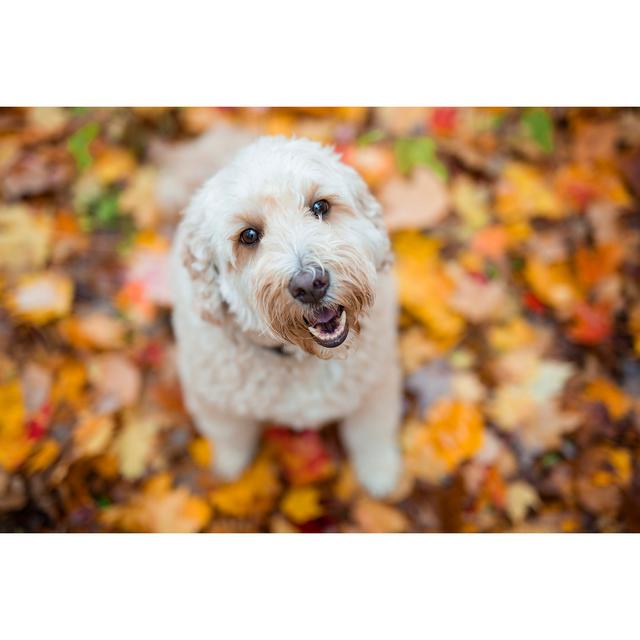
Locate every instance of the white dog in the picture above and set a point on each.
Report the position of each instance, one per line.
(285, 309)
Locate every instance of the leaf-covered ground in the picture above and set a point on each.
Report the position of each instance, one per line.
(517, 238)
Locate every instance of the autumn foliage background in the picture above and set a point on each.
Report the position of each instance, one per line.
(517, 240)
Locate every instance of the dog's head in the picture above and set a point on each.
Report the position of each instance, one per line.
(290, 241)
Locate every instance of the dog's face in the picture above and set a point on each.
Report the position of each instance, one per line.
(289, 240)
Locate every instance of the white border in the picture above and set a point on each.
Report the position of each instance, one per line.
(319, 587)
(284, 52)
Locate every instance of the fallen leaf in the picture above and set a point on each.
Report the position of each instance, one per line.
(92, 435)
(40, 297)
(116, 380)
(376, 517)
(302, 504)
(523, 192)
(135, 444)
(303, 455)
(521, 497)
(452, 432)
(254, 493)
(159, 509)
(25, 238)
(420, 202)
(602, 390)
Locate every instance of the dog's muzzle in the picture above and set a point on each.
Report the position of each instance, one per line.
(327, 324)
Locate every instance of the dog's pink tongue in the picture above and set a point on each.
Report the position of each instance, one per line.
(325, 316)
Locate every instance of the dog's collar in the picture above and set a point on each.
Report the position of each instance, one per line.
(278, 349)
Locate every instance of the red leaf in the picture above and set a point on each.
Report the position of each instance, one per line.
(591, 324)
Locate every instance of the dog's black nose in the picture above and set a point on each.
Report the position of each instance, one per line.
(309, 286)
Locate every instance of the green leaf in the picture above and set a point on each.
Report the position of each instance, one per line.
(550, 459)
(539, 127)
(411, 152)
(106, 211)
(370, 137)
(78, 145)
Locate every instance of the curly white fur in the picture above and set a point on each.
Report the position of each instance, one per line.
(232, 306)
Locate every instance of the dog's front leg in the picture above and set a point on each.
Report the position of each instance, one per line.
(371, 436)
(233, 440)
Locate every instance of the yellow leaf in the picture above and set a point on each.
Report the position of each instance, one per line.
(523, 192)
(113, 164)
(602, 390)
(14, 444)
(471, 202)
(254, 493)
(92, 435)
(521, 497)
(135, 444)
(302, 504)
(200, 451)
(553, 283)
(69, 383)
(452, 432)
(25, 238)
(48, 450)
(41, 297)
(512, 334)
(159, 509)
(346, 485)
(377, 517)
(424, 289)
(12, 415)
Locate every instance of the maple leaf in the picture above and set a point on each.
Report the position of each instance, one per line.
(159, 509)
(452, 432)
(39, 298)
(424, 288)
(524, 192)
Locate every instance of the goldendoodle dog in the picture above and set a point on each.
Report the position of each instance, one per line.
(285, 309)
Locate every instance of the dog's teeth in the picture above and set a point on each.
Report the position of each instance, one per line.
(321, 335)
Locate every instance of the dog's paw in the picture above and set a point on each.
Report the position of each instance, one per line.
(379, 472)
(229, 464)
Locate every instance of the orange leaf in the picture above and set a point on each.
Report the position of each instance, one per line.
(377, 517)
(254, 493)
(591, 324)
(618, 404)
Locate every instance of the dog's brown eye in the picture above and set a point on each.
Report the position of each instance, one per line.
(320, 208)
(249, 236)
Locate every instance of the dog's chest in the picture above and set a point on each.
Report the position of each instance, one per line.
(261, 384)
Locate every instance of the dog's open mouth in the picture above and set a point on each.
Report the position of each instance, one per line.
(329, 327)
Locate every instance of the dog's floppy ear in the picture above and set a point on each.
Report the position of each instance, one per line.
(198, 256)
(372, 209)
